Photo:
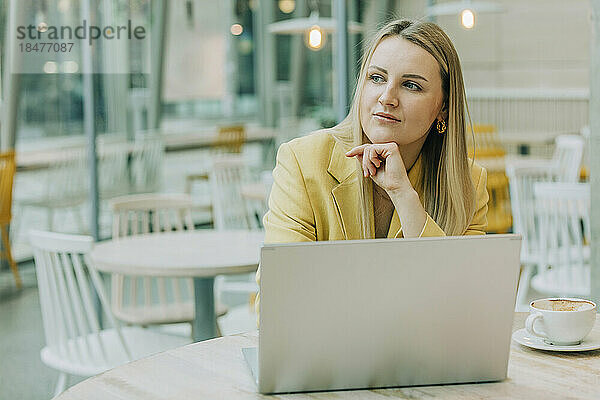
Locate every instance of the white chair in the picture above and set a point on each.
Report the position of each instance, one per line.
(231, 211)
(146, 164)
(113, 174)
(567, 157)
(229, 141)
(565, 164)
(522, 176)
(146, 300)
(64, 186)
(198, 187)
(563, 210)
(75, 344)
(142, 214)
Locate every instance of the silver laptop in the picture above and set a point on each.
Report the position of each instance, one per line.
(383, 313)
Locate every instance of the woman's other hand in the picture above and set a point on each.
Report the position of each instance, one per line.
(384, 164)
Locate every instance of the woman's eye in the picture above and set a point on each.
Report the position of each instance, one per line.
(412, 86)
(376, 78)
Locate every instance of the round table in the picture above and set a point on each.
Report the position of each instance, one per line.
(200, 254)
(216, 369)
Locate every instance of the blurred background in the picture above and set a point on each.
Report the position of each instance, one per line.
(236, 78)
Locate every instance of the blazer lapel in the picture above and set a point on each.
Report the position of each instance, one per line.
(395, 230)
(346, 194)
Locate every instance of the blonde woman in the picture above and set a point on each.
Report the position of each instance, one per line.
(406, 128)
(397, 165)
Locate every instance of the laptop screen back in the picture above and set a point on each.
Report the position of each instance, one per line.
(381, 313)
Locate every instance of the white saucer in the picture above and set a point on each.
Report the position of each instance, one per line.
(591, 342)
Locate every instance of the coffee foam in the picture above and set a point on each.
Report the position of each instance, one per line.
(563, 305)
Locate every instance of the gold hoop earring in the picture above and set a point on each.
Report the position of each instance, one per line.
(441, 126)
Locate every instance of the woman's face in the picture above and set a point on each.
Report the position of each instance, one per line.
(402, 95)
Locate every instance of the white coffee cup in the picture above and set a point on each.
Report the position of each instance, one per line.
(561, 321)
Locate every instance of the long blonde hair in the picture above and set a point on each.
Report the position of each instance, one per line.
(446, 184)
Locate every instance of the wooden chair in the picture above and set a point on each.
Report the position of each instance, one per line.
(7, 174)
(75, 344)
(230, 139)
(486, 143)
(164, 300)
(499, 211)
(487, 150)
(563, 210)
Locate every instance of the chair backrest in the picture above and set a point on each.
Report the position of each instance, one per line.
(67, 177)
(230, 139)
(567, 157)
(7, 175)
(151, 213)
(499, 212)
(230, 209)
(68, 313)
(113, 174)
(143, 214)
(486, 144)
(563, 210)
(146, 163)
(522, 178)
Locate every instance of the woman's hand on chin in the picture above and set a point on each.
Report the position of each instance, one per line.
(384, 164)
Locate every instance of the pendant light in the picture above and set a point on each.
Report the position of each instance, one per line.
(313, 27)
(466, 9)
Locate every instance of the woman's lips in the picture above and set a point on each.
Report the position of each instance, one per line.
(385, 119)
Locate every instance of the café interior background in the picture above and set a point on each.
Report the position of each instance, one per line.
(528, 69)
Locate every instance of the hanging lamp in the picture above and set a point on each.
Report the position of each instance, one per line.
(467, 9)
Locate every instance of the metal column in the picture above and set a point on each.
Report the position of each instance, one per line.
(115, 83)
(265, 62)
(298, 65)
(160, 10)
(230, 76)
(89, 121)
(354, 52)
(341, 42)
(12, 78)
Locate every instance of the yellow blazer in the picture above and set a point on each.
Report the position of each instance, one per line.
(315, 195)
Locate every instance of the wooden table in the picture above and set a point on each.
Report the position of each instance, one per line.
(201, 254)
(216, 369)
(200, 138)
(60, 149)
